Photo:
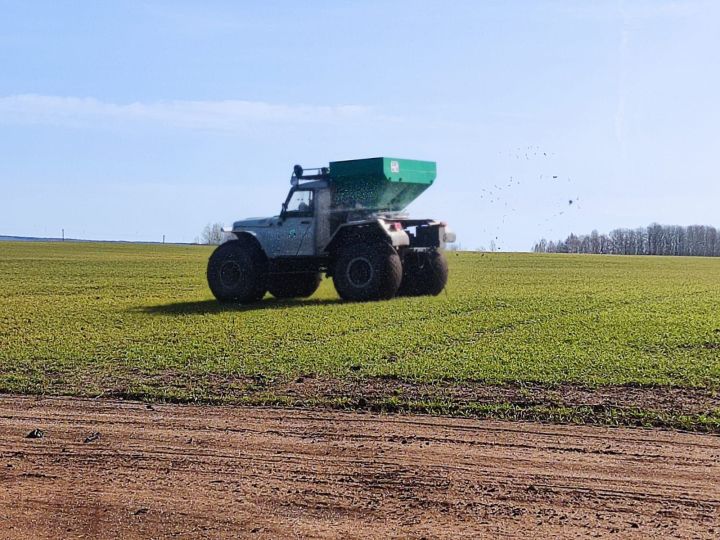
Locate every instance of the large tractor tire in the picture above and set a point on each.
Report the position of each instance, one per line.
(367, 271)
(237, 272)
(425, 273)
(294, 285)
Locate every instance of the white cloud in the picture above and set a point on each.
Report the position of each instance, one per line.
(226, 115)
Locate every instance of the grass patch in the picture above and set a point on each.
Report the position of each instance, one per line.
(77, 317)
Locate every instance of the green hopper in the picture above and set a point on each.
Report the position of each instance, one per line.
(382, 183)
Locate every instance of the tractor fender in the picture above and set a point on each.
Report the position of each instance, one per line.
(249, 236)
(362, 231)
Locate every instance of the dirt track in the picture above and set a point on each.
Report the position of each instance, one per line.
(207, 472)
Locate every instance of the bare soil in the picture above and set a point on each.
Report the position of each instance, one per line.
(118, 469)
(631, 404)
(666, 399)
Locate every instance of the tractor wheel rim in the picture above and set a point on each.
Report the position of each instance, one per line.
(230, 274)
(359, 272)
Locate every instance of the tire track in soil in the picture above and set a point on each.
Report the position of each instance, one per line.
(178, 471)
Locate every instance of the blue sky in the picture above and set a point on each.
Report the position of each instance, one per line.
(130, 120)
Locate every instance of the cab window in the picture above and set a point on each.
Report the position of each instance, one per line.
(301, 202)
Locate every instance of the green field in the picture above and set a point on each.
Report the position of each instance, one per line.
(139, 320)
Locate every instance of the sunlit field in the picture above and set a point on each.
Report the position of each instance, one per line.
(89, 318)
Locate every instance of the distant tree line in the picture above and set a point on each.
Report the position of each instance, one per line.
(212, 234)
(695, 240)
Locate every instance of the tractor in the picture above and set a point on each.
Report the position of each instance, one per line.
(345, 221)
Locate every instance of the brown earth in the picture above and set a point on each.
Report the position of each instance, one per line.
(662, 399)
(176, 471)
(630, 404)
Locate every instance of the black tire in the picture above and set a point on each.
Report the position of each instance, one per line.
(425, 273)
(367, 271)
(294, 285)
(237, 272)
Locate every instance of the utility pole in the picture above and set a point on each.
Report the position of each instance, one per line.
(63, 235)
(163, 238)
